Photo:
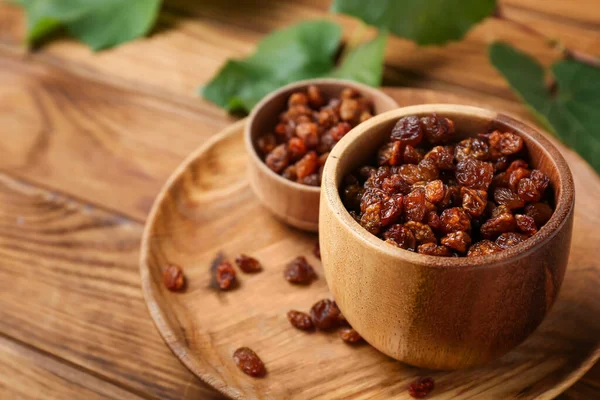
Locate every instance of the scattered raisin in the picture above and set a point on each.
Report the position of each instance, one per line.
(349, 335)
(173, 277)
(325, 314)
(300, 320)
(299, 271)
(421, 388)
(248, 264)
(249, 362)
(225, 275)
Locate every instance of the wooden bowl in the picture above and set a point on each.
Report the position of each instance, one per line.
(437, 312)
(294, 203)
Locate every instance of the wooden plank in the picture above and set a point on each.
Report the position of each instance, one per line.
(192, 40)
(27, 374)
(70, 286)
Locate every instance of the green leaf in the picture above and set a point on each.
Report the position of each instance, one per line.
(364, 63)
(303, 51)
(423, 21)
(570, 110)
(98, 23)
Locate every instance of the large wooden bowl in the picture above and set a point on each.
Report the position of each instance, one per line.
(437, 312)
(294, 203)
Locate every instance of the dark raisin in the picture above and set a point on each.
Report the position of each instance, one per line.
(300, 320)
(504, 144)
(422, 232)
(325, 314)
(391, 209)
(173, 277)
(225, 275)
(414, 205)
(433, 220)
(474, 173)
(296, 148)
(472, 147)
(349, 335)
(248, 264)
(432, 249)
(396, 184)
(352, 195)
(514, 177)
(526, 224)
(299, 271)
(442, 156)
(290, 173)
(451, 197)
(371, 218)
(500, 222)
(340, 130)
(437, 130)
(459, 241)
(540, 212)
(326, 142)
(428, 170)
(401, 236)
(390, 154)
(278, 159)
(376, 179)
(455, 219)
(473, 201)
(483, 248)
(516, 165)
(508, 198)
(421, 388)
(249, 362)
(510, 239)
(412, 155)
(501, 164)
(435, 191)
(408, 130)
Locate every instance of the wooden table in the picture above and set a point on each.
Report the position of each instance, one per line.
(87, 140)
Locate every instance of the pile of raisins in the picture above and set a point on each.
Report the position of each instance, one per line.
(307, 131)
(425, 192)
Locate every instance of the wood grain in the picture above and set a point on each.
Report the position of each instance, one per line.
(69, 285)
(28, 374)
(206, 196)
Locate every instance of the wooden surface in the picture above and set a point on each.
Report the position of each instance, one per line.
(87, 141)
(204, 327)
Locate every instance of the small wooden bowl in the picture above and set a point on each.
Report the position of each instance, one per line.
(437, 312)
(294, 203)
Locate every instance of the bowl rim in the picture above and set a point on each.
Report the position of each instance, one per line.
(564, 202)
(251, 150)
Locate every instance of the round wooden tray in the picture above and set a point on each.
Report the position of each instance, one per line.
(207, 207)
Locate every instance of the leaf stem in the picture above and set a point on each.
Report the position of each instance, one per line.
(567, 53)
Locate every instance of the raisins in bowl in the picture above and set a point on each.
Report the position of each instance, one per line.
(427, 190)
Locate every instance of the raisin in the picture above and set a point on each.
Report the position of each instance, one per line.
(500, 222)
(532, 189)
(473, 201)
(307, 165)
(422, 232)
(504, 144)
(325, 314)
(427, 170)
(451, 197)
(472, 147)
(483, 248)
(278, 159)
(309, 133)
(390, 154)
(396, 184)
(455, 219)
(391, 209)
(297, 99)
(352, 195)
(349, 335)
(501, 164)
(442, 156)
(317, 250)
(248, 264)
(414, 205)
(401, 236)
(474, 173)
(433, 220)
(249, 362)
(508, 198)
(173, 277)
(310, 180)
(315, 99)
(296, 148)
(327, 118)
(412, 155)
(408, 131)
(410, 173)
(349, 93)
(290, 173)
(296, 113)
(349, 109)
(371, 218)
(266, 143)
(340, 130)
(515, 177)
(510, 239)
(376, 179)
(300, 320)
(526, 224)
(432, 249)
(365, 115)
(326, 143)
(420, 388)
(516, 165)
(437, 130)
(458, 241)
(435, 191)
(540, 212)
(299, 271)
(225, 275)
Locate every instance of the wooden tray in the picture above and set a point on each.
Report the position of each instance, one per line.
(206, 207)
